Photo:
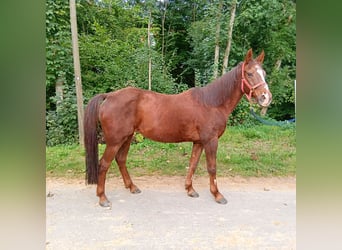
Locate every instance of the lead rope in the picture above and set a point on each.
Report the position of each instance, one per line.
(269, 122)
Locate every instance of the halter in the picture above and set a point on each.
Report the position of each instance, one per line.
(245, 82)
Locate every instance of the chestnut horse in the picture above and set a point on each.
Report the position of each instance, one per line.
(198, 115)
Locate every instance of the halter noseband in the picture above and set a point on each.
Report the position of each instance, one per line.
(245, 82)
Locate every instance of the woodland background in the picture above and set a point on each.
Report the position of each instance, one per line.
(185, 42)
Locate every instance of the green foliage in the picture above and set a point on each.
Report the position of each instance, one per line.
(202, 37)
(61, 124)
(282, 87)
(241, 115)
(114, 53)
(58, 47)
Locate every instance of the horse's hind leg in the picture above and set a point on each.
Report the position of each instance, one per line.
(105, 162)
(121, 158)
(195, 156)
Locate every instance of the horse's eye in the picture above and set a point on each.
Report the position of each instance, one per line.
(249, 74)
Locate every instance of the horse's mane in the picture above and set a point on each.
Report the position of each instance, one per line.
(219, 90)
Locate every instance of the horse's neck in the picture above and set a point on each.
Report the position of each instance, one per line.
(232, 100)
(224, 93)
(230, 104)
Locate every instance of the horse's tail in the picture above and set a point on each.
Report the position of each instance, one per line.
(91, 118)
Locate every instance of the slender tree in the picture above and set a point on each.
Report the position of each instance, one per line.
(230, 35)
(77, 69)
(217, 39)
(164, 4)
(149, 50)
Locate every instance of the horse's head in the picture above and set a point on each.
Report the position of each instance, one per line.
(253, 83)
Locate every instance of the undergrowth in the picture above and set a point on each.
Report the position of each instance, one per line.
(245, 151)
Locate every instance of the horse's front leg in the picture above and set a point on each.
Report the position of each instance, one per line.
(195, 156)
(210, 152)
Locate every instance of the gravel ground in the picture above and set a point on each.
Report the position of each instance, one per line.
(260, 214)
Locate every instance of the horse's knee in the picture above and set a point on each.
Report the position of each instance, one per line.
(104, 167)
(212, 170)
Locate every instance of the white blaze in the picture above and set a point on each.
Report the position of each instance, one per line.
(261, 74)
(266, 95)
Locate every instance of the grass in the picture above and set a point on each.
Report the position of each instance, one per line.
(258, 151)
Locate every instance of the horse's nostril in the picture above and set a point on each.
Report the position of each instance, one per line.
(262, 98)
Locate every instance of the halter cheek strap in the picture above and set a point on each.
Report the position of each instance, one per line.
(244, 83)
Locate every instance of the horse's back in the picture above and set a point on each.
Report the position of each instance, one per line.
(136, 99)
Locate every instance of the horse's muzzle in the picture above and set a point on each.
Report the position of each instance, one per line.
(265, 99)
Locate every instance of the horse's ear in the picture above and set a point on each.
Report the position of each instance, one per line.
(249, 56)
(261, 57)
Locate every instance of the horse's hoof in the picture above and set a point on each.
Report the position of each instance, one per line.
(193, 194)
(222, 201)
(136, 191)
(105, 203)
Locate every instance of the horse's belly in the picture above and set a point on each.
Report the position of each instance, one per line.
(169, 133)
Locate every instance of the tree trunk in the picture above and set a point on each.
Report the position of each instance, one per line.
(77, 69)
(217, 39)
(59, 92)
(163, 30)
(149, 52)
(230, 35)
(163, 38)
(277, 64)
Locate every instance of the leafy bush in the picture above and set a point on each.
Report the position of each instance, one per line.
(283, 91)
(61, 124)
(241, 115)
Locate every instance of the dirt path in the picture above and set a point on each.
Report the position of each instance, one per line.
(260, 214)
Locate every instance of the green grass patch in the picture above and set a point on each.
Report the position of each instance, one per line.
(65, 160)
(257, 151)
